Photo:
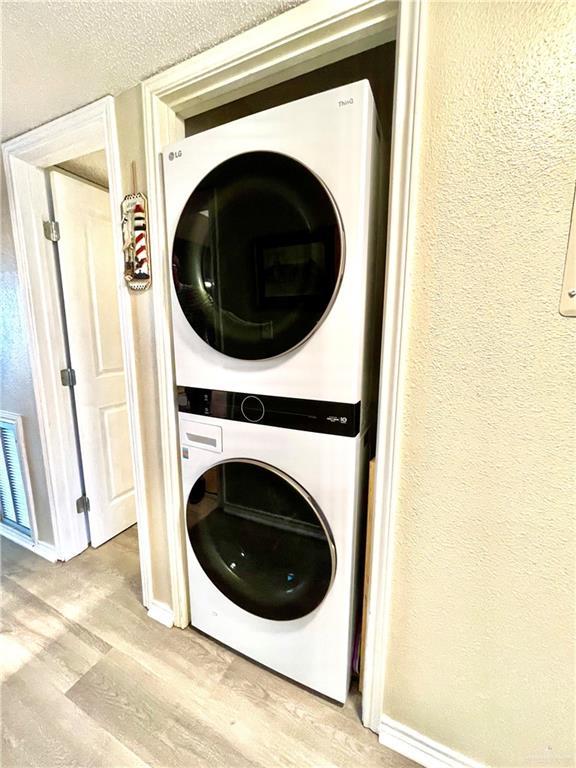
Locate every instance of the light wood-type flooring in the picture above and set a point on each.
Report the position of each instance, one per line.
(89, 680)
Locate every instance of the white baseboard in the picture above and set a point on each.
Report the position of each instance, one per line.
(47, 551)
(420, 748)
(161, 612)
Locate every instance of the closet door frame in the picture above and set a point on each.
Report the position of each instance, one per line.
(310, 36)
(89, 129)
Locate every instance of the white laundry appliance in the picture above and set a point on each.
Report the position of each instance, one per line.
(273, 518)
(277, 275)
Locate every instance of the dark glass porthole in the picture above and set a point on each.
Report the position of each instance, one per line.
(257, 255)
(260, 539)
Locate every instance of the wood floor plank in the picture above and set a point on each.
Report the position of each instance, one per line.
(185, 655)
(172, 654)
(332, 734)
(75, 587)
(35, 635)
(92, 681)
(42, 728)
(141, 712)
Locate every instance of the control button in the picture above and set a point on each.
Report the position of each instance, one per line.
(252, 408)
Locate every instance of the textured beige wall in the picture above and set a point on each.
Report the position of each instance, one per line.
(482, 633)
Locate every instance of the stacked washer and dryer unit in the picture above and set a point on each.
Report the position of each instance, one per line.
(276, 279)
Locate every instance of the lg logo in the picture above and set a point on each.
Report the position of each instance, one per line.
(175, 155)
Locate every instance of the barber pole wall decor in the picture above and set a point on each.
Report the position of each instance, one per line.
(135, 238)
(135, 242)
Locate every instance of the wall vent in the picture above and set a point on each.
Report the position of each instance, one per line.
(14, 486)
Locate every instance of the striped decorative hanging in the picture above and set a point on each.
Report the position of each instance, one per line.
(135, 242)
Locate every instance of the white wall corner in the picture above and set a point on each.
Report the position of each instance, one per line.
(423, 750)
(161, 612)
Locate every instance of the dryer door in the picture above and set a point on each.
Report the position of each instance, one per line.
(257, 256)
(261, 539)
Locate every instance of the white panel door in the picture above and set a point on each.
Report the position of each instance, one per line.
(89, 284)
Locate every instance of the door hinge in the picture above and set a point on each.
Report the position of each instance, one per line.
(52, 231)
(82, 505)
(68, 377)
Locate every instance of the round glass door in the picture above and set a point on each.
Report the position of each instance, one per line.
(257, 256)
(260, 539)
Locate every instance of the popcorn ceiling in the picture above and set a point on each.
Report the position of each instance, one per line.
(58, 56)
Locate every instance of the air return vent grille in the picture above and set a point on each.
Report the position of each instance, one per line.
(14, 508)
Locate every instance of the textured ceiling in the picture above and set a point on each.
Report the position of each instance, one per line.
(58, 56)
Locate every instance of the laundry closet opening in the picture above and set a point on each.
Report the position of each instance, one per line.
(86, 276)
(266, 298)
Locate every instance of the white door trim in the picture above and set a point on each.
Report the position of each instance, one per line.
(401, 211)
(309, 36)
(303, 39)
(86, 130)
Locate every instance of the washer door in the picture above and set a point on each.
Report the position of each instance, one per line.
(257, 256)
(261, 539)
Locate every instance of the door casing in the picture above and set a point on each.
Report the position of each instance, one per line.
(312, 35)
(89, 129)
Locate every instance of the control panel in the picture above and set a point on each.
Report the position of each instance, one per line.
(288, 412)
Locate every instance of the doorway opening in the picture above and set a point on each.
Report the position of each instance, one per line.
(64, 190)
(84, 262)
(302, 40)
(377, 65)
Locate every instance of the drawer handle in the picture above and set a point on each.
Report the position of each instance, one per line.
(201, 439)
